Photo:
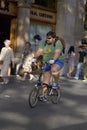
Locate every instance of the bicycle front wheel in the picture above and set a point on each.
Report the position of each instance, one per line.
(33, 97)
(55, 96)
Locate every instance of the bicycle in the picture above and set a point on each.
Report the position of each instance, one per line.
(51, 93)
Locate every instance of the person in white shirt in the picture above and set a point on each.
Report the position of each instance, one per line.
(7, 56)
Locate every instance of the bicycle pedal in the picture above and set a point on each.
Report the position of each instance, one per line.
(42, 98)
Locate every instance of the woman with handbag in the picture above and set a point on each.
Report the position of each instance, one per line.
(7, 57)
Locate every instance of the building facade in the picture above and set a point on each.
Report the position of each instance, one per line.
(21, 20)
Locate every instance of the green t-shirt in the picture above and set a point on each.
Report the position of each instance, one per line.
(49, 49)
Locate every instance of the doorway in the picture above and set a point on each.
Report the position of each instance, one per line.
(5, 23)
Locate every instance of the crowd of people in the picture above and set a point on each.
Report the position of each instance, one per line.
(53, 51)
(77, 70)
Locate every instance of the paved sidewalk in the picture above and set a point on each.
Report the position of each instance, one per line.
(69, 114)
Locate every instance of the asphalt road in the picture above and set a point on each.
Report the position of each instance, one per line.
(69, 114)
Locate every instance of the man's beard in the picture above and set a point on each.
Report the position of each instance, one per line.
(48, 43)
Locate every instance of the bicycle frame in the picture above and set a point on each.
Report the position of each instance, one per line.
(51, 93)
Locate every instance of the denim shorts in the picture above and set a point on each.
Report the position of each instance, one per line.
(47, 67)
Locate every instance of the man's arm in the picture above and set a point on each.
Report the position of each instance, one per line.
(58, 50)
(57, 54)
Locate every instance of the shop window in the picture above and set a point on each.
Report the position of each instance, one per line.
(46, 3)
(39, 30)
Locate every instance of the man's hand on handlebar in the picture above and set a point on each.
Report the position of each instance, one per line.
(51, 61)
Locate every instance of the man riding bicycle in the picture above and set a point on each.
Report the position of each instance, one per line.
(52, 51)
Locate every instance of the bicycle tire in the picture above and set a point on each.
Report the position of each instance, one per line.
(33, 97)
(55, 96)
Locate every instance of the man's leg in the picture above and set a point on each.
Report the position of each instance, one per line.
(46, 80)
(55, 70)
(79, 66)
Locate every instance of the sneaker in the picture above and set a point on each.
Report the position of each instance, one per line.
(85, 80)
(2, 83)
(76, 78)
(6, 82)
(55, 85)
(42, 98)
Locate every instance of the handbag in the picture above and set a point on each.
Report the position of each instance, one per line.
(1, 62)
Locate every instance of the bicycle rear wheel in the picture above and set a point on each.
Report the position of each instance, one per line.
(33, 97)
(55, 97)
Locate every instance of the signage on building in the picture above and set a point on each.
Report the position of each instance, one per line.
(43, 15)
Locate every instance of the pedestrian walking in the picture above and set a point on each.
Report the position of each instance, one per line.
(81, 55)
(71, 55)
(7, 56)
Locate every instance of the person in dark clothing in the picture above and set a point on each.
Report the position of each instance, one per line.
(81, 55)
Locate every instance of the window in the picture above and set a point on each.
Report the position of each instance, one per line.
(46, 3)
(38, 29)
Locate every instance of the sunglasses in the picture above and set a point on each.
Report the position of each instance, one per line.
(49, 37)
